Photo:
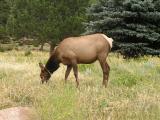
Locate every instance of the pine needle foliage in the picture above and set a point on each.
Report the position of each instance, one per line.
(133, 24)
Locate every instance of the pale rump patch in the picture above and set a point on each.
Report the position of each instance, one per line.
(110, 40)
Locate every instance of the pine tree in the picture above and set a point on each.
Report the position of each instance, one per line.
(133, 24)
(4, 13)
(47, 20)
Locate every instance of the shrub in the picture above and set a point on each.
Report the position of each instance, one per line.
(6, 47)
(27, 52)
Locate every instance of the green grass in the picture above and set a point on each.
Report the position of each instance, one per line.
(133, 92)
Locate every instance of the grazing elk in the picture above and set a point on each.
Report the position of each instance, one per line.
(79, 50)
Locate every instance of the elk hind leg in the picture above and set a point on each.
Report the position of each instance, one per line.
(102, 61)
(75, 69)
(108, 70)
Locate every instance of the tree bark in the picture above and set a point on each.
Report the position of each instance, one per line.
(52, 46)
(41, 47)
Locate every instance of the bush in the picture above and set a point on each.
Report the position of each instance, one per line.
(131, 51)
(27, 52)
(6, 47)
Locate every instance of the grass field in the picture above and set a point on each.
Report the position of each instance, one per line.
(133, 92)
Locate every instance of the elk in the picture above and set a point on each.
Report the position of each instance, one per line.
(79, 50)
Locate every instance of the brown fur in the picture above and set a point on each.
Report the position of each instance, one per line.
(79, 50)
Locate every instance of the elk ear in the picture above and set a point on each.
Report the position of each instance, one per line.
(41, 65)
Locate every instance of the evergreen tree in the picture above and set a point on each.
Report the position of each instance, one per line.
(4, 13)
(133, 24)
(47, 20)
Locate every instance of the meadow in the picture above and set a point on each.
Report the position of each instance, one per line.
(133, 91)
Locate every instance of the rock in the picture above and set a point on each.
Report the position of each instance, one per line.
(18, 113)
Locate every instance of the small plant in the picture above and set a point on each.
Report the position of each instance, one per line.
(1, 49)
(84, 68)
(6, 47)
(27, 52)
(103, 104)
(126, 79)
(131, 51)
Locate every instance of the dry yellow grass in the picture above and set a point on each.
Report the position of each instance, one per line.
(133, 92)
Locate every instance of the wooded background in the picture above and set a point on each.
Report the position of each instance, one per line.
(133, 24)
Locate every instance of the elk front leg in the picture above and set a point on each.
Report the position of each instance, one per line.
(69, 67)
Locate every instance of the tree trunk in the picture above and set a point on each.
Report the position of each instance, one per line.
(52, 46)
(41, 47)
